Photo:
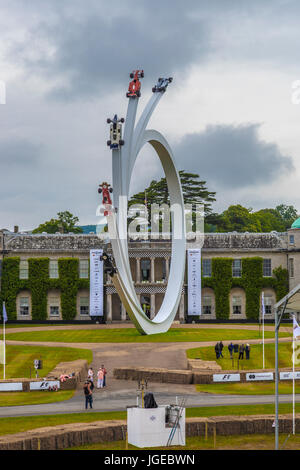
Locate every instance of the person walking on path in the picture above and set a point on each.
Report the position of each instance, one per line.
(100, 375)
(247, 350)
(104, 375)
(88, 394)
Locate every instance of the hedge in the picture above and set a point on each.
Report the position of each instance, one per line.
(252, 281)
(221, 281)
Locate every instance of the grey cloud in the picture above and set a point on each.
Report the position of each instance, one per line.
(95, 44)
(18, 152)
(94, 53)
(232, 156)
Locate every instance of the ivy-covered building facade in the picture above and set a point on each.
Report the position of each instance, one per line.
(45, 277)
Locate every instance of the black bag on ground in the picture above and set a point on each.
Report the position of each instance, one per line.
(149, 401)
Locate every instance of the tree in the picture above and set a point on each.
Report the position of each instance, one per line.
(65, 223)
(270, 220)
(239, 219)
(194, 192)
(288, 214)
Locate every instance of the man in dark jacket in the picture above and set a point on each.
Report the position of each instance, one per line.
(241, 351)
(88, 394)
(247, 350)
(217, 350)
(221, 346)
(230, 349)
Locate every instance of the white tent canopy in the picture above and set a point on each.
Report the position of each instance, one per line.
(291, 302)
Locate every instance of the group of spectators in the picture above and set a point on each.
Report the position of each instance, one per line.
(241, 349)
(89, 384)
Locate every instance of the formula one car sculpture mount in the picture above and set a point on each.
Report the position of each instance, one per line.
(124, 154)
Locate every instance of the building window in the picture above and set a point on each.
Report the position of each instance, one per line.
(83, 268)
(84, 306)
(24, 306)
(291, 267)
(206, 267)
(267, 269)
(24, 269)
(237, 268)
(268, 301)
(53, 307)
(145, 269)
(53, 269)
(206, 308)
(236, 305)
(292, 239)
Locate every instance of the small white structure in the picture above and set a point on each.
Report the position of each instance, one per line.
(152, 427)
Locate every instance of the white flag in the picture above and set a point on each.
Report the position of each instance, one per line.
(296, 328)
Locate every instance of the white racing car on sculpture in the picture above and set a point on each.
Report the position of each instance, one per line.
(124, 155)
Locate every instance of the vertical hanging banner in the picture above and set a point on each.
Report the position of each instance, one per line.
(194, 282)
(96, 283)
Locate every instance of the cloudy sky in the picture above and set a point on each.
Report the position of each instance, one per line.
(230, 114)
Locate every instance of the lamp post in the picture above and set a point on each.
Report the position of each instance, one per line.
(278, 317)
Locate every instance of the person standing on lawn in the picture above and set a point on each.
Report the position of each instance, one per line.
(221, 346)
(217, 350)
(241, 351)
(230, 349)
(247, 350)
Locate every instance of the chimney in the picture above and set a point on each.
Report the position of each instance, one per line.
(16, 229)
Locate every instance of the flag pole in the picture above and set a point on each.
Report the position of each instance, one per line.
(263, 326)
(293, 384)
(4, 352)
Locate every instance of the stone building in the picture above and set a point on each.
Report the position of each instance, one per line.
(275, 255)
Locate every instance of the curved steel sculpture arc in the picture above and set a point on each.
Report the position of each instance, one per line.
(123, 160)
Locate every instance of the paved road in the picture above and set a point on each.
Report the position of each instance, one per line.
(118, 401)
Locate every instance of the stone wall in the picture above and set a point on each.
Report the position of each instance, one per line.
(194, 376)
(154, 375)
(78, 434)
(79, 368)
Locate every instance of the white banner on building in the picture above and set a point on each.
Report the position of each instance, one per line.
(96, 283)
(44, 384)
(259, 376)
(194, 282)
(226, 377)
(289, 375)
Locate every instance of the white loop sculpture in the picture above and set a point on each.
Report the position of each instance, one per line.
(123, 159)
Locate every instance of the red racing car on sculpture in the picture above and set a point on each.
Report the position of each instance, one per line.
(106, 189)
(134, 89)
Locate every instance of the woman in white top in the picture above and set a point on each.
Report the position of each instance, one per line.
(91, 374)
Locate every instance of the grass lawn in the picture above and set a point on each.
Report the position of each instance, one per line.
(25, 423)
(251, 388)
(240, 442)
(34, 398)
(19, 359)
(255, 361)
(130, 335)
